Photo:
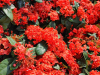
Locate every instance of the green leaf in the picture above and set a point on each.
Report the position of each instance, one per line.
(82, 23)
(76, 5)
(40, 1)
(1, 13)
(63, 20)
(8, 12)
(5, 66)
(33, 51)
(58, 36)
(59, 29)
(88, 47)
(52, 24)
(58, 9)
(75, 20)
(85, 54)
(11, 40)
(37, 22)
(68, 24)
(4, 21)
(12, 6)
(12, 53)
(94, 34)
(41, 48)
(82, 74)
(56, 67)
(86, 71)
(19, 28)
(20, 3)
(95, 2)
(27, 0)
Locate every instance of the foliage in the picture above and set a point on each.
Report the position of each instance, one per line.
(49, 37)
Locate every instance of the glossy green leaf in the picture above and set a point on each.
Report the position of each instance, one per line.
(86, 71)
(5, 66)
(85, 54)
(40, 1)
(82, 74)
(58, 9)
(8, 12)
(58, 36)
(11, 40)
(2, 13)
(4, 21)
(52, 24)
(12, 6)
(76, 5)
(20, 3)
(75, 20)
(41, 48)
(63, 20)
(37, 22)
(56, 67)
(94, 34)
(59, 29)
(68, 24)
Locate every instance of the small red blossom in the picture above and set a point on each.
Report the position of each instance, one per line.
(14, 65)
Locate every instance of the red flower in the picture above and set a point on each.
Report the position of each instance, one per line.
(94, 72)
(53, 15)
(5, 46)
(65, 7)
(34, 32)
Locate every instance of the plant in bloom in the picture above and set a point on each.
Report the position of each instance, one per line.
(49, 37)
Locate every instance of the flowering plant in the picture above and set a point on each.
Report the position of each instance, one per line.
(49, 37)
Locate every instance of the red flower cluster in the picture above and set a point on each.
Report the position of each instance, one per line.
(77, 46)
(5, 46)
(43, 9)
(81, 32)
(34, 32)
(81, 13)
(86, 37)
(65, 7)
(25, 14)
(94, 72)
(57, 46)
(53, 15)
(4, 2)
